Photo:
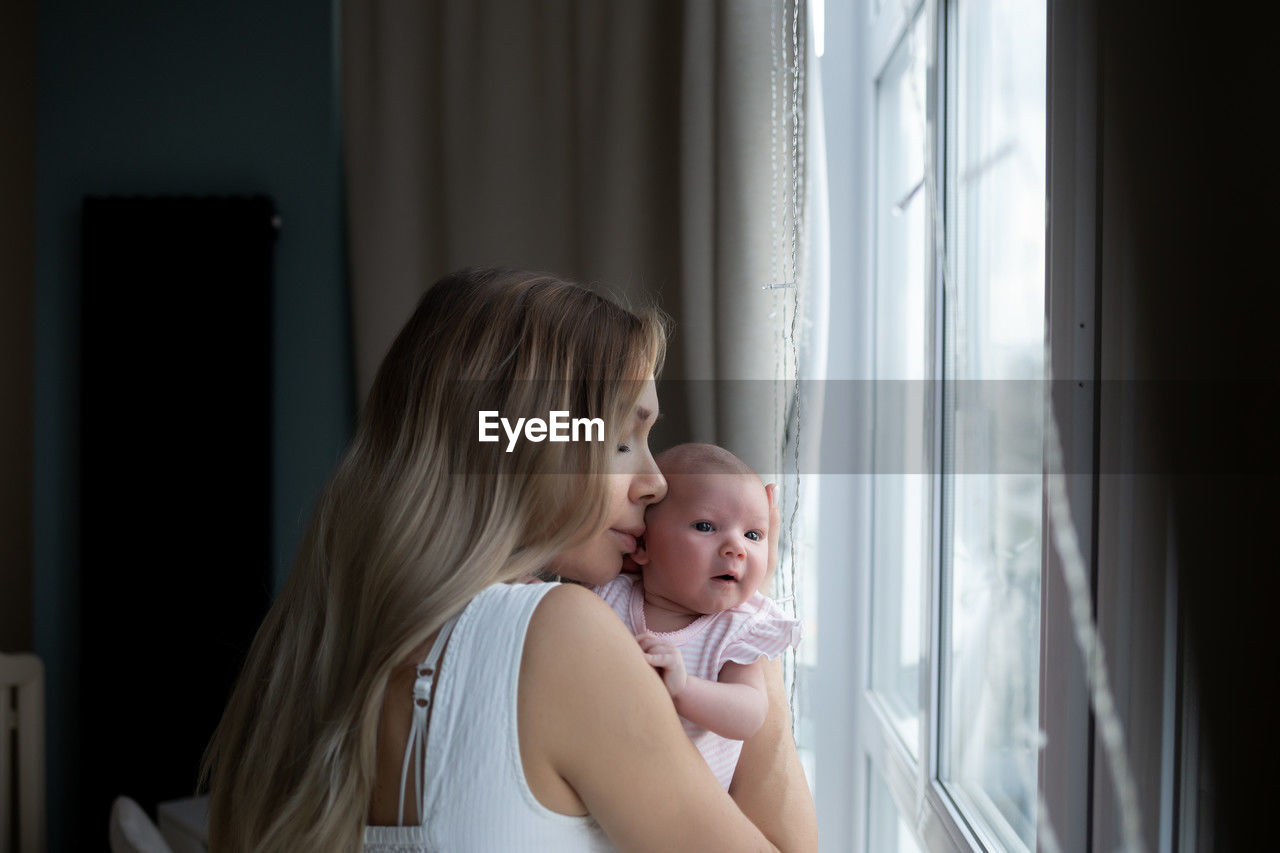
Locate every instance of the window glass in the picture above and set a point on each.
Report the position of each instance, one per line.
(994, 414)
(900, 524)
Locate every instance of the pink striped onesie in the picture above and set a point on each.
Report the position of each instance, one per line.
(754, 629)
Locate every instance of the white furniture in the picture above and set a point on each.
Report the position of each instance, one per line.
(131, 830)
(185, 824)
(22, 675)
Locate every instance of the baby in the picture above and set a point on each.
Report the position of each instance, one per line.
(695, 610)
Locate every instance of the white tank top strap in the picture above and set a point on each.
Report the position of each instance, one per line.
(416, 745)
(469, 780)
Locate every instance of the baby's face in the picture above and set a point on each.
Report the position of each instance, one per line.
(706, 542)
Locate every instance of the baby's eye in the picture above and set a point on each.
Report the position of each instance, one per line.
(703, 526)
(754, 535)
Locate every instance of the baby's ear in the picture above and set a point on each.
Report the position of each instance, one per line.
(641, 554)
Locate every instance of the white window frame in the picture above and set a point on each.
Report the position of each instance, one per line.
(1142, 644)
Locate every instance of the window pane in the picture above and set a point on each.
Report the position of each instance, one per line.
(902, 358)
(995, 330)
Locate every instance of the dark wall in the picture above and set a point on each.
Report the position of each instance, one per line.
(17, 261)
(230, 97)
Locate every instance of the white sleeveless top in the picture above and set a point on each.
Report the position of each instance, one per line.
(473, 785)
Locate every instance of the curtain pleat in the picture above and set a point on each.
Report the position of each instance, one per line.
(624, 144)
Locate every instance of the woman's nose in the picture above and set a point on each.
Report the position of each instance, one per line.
(649, 486)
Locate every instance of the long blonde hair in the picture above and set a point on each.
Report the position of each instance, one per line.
(418, 518)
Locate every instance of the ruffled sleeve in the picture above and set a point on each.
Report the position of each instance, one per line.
(767, 633)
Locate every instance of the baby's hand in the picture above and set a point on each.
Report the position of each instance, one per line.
(667, 659)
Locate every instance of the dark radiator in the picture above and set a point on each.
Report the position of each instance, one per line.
(175, 497)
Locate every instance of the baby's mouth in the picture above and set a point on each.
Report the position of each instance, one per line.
(726, 577)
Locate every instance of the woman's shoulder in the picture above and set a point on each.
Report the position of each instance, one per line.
(542, 614)
(581, 672)
(569, 613)
(594, 714)
(577, 647)
(505, 601)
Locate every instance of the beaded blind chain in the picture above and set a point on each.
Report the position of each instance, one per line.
(788, 45)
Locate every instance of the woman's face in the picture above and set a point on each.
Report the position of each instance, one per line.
(634, 483)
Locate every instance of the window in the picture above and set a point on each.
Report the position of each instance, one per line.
(947, 708)
(968, 560)
(993, 287)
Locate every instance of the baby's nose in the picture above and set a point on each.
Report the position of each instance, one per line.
(732, 549)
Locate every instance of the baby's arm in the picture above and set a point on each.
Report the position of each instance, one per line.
(733, 707)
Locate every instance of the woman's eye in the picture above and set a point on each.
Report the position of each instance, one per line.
(624, 448)
(703, 526)
(754, 535)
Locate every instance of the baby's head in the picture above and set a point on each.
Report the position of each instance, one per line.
(705, 544)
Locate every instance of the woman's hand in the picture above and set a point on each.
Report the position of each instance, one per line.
(769, 784)
(667, 659)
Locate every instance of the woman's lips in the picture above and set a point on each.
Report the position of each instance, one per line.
(626, 539)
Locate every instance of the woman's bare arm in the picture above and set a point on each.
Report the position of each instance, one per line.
(598, 715)
(769, 784)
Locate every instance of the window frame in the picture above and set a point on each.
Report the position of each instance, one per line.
(1123, 524)
(915, 788)
(939, 821)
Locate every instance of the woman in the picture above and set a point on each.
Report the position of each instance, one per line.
(537, 722)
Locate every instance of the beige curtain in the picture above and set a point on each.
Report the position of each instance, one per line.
(626, 144)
